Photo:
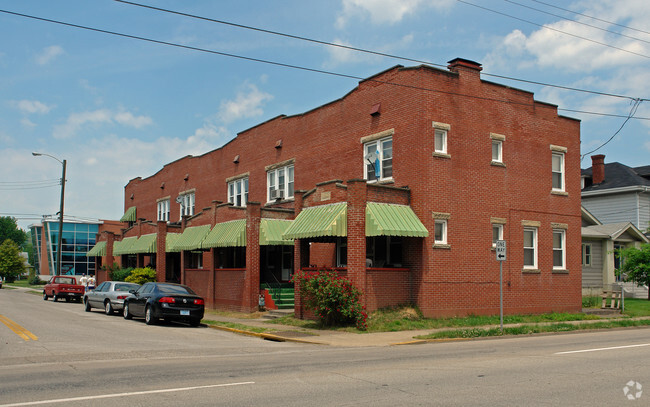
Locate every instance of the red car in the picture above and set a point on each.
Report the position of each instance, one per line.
(63, 287)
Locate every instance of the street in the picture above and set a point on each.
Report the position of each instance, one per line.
(81, 359)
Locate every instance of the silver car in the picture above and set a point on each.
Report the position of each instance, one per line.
(109, 295)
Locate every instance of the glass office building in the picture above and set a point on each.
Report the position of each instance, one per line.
(78, 238)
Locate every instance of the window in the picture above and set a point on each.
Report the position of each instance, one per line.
(195, 260)
(497, 233)
(238, 192)
(497, 151)
(163, 210)
(187, 204)
(559, 258)
(558, 171)
(440, 141)
(586, 254)
(280, 183)
(378, 159)
(530, 248)
(440, 231)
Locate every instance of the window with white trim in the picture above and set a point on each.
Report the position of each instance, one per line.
(586, 254)
(557, 169)
(530, 248)
(163, 210)
(440, 141)
(440, 231)
(187, 202)
(378, 159)
(279, 183)
(559, 249)
(497, 151)
(238, 192)
(497, 233)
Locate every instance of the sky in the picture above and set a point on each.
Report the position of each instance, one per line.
(117, 107)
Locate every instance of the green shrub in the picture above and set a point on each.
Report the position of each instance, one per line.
(119, 274)
(334, 299)
(36, 280)
(141, 276)
(591, 301)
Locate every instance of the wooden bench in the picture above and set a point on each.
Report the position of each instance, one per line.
(614, 299)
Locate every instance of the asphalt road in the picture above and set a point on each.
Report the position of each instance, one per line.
(82, 359)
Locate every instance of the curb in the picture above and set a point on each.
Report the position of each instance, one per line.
(267, 336)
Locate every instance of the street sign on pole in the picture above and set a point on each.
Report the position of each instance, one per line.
(501, 250)
(501, 257)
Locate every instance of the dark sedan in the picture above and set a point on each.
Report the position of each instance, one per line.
(171, 302)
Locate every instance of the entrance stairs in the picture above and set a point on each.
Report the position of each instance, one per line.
(283, 295)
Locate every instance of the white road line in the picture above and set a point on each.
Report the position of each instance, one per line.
(599, 349)
(135, 393)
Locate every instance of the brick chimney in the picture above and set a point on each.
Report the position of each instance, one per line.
(464, 66)
(598, 168)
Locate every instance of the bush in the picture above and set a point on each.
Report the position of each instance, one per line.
(334, 299)
(119, 274)
(36, 280)
(141, 276)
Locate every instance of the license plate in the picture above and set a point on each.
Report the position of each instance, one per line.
(185, 312)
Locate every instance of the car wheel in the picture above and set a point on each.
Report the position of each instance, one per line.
(45, 296)
(195, 322)
(55, 297)
(108, 307)
(149, 319)
(87, 305)
(125, 312)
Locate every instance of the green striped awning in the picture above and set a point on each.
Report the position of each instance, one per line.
(190, 239)
(271, 231)
(393, 220)
(129, 215)
(145, 244)
(317, 221)
(227, 234)
(98, 250)
(171, 240)
(124, 246)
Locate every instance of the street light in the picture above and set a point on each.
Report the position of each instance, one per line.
(58, 250)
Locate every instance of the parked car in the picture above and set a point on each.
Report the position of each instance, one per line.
(109, 296)
(63, 287)
(164, 300)
(0, 281)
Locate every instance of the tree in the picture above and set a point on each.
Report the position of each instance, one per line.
(635, 265)
(9, 230)
(11, 264)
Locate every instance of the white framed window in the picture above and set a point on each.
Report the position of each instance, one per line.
(530, 248)
(163, 210)
(497, 151)
(279, 183)
(378, 159)
(586, 254)
(238, 192)
(497, 233)
(557, 169)
(559, 249)
(440, 231)
(440, 141)
(187, 202)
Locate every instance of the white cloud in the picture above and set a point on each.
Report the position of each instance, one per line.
(385, 11)
(49, 54)
(76, 121)
(247, 104)
(27, 123)
(32, 106)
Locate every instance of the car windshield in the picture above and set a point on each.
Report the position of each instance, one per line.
(174, 289)
(125, 287)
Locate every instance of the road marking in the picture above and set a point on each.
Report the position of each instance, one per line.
(18, 330)
(599, 349)
(135, 393)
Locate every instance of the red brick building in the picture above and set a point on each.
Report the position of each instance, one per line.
(403, 184)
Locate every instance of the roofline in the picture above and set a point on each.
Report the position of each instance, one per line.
(634, 188)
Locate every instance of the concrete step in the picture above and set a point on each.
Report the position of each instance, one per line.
(277, 313)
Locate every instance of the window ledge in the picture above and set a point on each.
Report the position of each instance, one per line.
(441, 246)
(441, 155)
(531, 271)
(559, 193)
(560, 271)
(381, 181)
(498, 164)
(275, 202)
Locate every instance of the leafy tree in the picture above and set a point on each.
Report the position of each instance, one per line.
(636, 265)
(11, 264)
(9, 230)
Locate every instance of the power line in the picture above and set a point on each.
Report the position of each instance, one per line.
(593, 18)
(291, 66)
(633, 110)
(576, 22)
(552, 29)
(351, 48)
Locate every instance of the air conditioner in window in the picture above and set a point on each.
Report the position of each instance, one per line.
(277, 194)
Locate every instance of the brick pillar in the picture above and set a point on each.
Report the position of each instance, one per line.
(298, 254)
(110, 241)
(357, 196)
(252, 276)
(208, 264)
(161, 251)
